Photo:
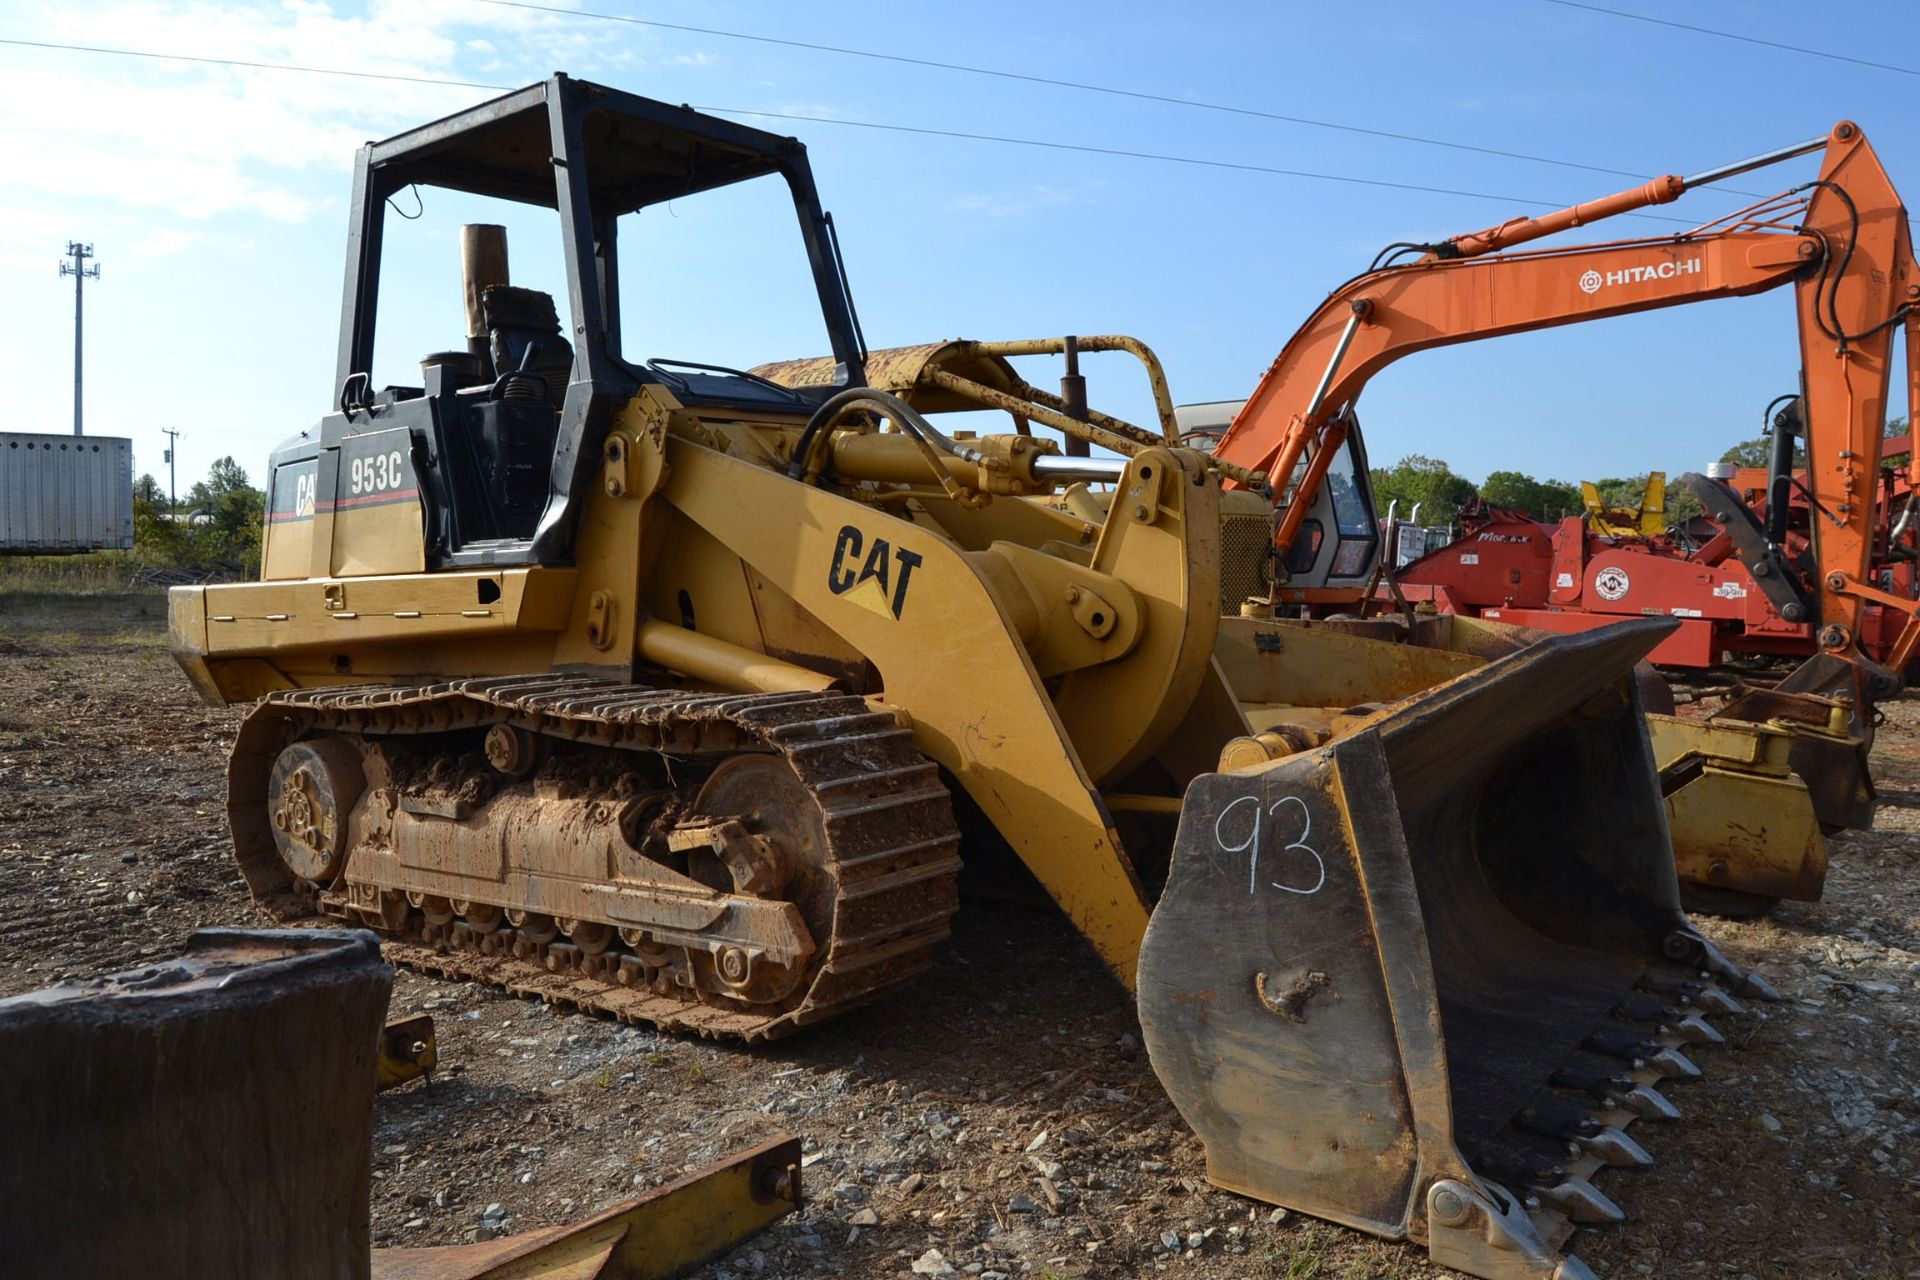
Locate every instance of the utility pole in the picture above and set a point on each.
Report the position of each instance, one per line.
(173, 438)
(81, 273)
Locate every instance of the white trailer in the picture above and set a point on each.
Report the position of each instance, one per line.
(62, 494)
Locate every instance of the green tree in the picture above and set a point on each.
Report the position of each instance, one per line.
(1682, 506)
(1755, 452)
(1541, 499)
(1622, 491)
(147, 489)
(1427, 482)
(225, 479)
(222, 532)
(1631, 491)
(158, 538)
(1895, 427)
(236, 510)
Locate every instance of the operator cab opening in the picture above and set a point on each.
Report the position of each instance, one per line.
(477, 458)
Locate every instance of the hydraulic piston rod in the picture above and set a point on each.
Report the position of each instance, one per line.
(1760, 161)
(1661, 190)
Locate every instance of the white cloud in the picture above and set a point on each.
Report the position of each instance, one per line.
(811, 108)
(31, 238)
(195, 140)
(162, 241)
(1010, 204)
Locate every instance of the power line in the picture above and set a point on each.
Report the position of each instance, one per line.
(1076, 85)
(1160, 156)
(1240, 166)
(1725, 35)
(257, 66)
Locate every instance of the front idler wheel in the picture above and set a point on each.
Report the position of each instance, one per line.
(310, 794)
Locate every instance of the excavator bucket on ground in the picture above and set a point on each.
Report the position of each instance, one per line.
(1746, 828)
(1420, 980)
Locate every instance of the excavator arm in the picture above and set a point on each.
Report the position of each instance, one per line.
(1375, 319)
(1842, 241)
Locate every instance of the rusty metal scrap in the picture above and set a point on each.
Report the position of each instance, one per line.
(961, 374)
(664, 1233)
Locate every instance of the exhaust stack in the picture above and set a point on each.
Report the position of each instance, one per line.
(483, 263)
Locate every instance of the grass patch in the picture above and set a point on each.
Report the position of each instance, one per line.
(51, 617)
(1302, 1258)
(92, 574)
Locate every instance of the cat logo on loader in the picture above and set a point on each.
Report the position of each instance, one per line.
(868, 585)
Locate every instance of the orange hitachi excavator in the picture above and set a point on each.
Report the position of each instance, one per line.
(1841, 241)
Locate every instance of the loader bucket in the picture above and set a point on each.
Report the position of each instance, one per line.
(1419, 981)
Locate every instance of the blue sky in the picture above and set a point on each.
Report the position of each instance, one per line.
(216, 197)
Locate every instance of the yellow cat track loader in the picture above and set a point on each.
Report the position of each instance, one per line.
(652, 687)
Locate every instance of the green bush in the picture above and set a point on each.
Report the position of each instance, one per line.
(217, 531)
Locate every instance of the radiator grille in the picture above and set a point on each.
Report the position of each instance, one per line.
(1244, 543)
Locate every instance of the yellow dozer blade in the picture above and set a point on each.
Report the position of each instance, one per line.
(1420, 980)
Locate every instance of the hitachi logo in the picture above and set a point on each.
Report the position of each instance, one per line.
(1592, 281)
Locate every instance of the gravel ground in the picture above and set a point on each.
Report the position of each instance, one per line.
(1002, 1119)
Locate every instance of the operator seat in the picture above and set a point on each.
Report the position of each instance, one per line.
(521, 318)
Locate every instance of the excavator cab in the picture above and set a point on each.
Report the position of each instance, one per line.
(1339, 542)
(1339, 538)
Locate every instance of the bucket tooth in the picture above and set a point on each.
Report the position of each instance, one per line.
(1694, 1029)
(1684, 1025)
(1649, 1103)
(1652, 1010)
(1618, 1091)
(1509, 1170)
(1708, 997)
(1673, 1063)
(1621, 1043)
(1601, 1084)
(1556, 1119)
(1483, 1230)
(1678, 990)
(1616, 1148)
(1581, 1201)
(1684, 946)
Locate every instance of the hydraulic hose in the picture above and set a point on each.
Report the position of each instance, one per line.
(929, 438)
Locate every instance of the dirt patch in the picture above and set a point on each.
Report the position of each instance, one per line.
(1003, 1113)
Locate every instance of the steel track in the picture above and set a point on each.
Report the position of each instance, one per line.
(892, 847)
